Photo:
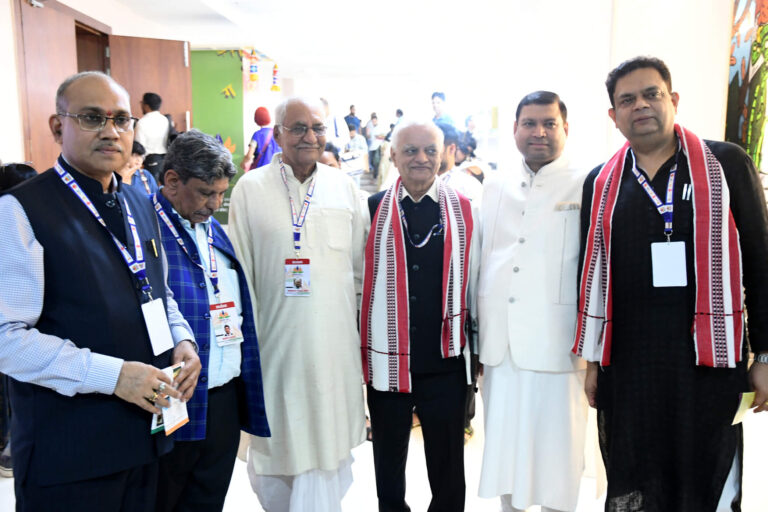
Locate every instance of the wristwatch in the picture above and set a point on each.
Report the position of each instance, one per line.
(762, 358)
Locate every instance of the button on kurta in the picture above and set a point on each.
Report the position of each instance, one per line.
(511, 300)
(415, 268)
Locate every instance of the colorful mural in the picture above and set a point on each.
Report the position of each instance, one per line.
(217, 104)
(748, 78)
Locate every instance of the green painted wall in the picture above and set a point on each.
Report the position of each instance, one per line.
(217, 104)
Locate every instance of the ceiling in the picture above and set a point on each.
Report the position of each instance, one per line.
(341, 37)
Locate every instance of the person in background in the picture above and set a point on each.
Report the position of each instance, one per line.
(10, 176)
(375, 135)
(465, 156)
(134, 175)
(357, 142)
(330, 156)
(263, 144)
(152, 132)
(438, 105)
(336, 130)
(457, 178)
(352, 120)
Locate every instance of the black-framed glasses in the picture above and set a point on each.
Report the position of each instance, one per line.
(97, 122)
(301, 130)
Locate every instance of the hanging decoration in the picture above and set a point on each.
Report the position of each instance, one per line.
(275, 87)
(253, 72)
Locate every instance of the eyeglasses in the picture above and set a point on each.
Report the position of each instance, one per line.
(651, 96)
(301, 130)
(97, 122)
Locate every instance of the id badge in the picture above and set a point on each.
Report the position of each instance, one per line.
(226, 324)
(668, 261)
(297, 278)
(157, 326)
(175, 416)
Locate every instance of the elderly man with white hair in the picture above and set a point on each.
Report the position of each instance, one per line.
(414, 320)
(298, 231)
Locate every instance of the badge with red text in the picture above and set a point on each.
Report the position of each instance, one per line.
(297, 278)
(226, 324)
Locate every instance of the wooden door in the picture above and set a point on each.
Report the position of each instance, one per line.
(91, 49)
(154, 65)
(48, 55)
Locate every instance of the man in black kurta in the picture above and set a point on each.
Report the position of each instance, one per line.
(664, 421)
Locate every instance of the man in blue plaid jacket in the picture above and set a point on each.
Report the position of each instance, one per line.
(212, 293)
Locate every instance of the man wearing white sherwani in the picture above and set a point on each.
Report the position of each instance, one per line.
(297, 227)
(535, 411)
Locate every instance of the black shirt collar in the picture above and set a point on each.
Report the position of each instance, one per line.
(90, 186)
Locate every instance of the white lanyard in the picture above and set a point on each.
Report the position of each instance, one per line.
(214, 274)
(137, 265)
(434, 230)
(297, 219)
(665, 209)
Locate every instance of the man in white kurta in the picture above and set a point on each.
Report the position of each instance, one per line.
(308, 341)
(535, 411)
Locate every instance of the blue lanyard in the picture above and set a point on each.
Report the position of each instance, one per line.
(214, 274)
(665, 209)
(137, 266)
(434, 230)
(297, 219)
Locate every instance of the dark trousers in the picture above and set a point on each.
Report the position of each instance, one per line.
(154, 164)
(374, 159)
(127, 491)
(439, 400)
(196, 474)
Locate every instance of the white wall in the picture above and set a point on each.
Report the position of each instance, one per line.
(484, 61)
(566, 47)
(11, 138)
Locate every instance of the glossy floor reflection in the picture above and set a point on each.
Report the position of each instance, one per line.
(362, 495)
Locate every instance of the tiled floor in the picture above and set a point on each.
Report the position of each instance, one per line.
(362, 495)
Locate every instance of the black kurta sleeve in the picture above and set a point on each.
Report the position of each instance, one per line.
(747, 203)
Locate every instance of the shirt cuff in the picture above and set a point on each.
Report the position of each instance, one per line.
(180, 334)
(102, 375)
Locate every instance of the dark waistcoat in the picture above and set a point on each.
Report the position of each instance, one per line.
(425, 286)
(92, 299)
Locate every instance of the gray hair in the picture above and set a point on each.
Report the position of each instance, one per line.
(62, 90)
(195, 154)
(430, 125)
(283, 106)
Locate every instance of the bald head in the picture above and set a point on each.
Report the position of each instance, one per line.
(397, 137)
(61, 92)
(300, 132)
(94, 150)
(309, 102)
(416, 151)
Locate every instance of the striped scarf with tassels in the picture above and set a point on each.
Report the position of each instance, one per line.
(718, 321)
